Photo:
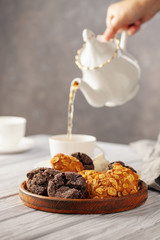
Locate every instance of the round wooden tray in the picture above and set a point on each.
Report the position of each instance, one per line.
(83, 206)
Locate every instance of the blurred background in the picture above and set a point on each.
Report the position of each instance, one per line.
(38, 43)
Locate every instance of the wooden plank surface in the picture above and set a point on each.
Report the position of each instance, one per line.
(17, 221)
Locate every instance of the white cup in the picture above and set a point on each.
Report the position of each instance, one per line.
(78, 143)
(12, 130)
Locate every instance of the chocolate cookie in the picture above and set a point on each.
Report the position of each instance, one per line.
(37, 180)
(110, 166)
(85, 160)
(67, 185)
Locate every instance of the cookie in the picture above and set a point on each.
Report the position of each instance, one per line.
(37, 180)
(66, 163)
(123, 179)
(97, 183)
(67, 185)
(110, 166)
(116, 182)
(85, 160)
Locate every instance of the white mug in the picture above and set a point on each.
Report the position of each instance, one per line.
(78, 143)
(12, 130)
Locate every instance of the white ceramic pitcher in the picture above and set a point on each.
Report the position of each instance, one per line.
(110, 76)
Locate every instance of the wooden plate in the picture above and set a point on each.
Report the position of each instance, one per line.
(83, 206)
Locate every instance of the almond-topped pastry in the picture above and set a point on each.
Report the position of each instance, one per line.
(66, 163)
(117, 182)
(110, 166)
(97, 183)
(124, 179)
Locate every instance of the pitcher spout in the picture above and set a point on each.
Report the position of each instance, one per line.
(95, 97)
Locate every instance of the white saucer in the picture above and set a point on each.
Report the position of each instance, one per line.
(25, 144)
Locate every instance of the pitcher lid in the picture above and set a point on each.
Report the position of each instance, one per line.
(95, 52)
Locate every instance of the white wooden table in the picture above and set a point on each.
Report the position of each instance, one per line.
(18, 221)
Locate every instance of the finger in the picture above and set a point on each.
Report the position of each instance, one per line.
(132, 30)
(109, 16)
(138, 22)
(111, 30)
(108, 34)
(122, 29)
(109, 19)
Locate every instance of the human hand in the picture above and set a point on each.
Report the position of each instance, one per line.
(129, 15)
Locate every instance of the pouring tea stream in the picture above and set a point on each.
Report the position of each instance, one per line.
(110, 76)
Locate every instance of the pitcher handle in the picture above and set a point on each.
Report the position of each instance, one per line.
(123, 40)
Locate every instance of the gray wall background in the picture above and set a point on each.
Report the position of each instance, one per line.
(38, 42)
